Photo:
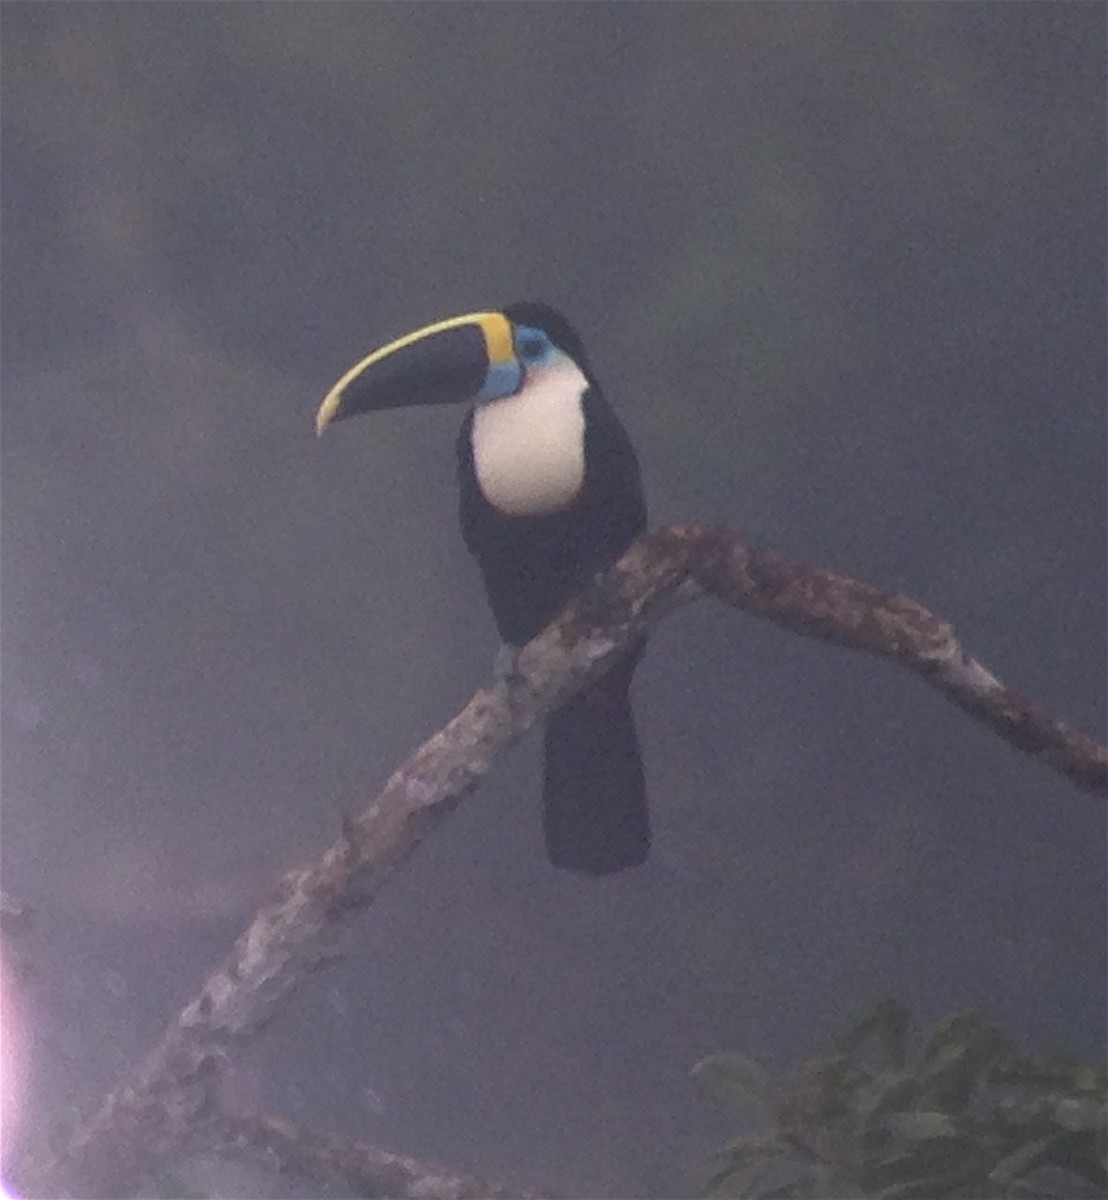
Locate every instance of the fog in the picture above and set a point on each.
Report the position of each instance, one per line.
(840, 270)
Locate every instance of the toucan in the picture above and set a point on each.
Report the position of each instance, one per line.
(550, 495)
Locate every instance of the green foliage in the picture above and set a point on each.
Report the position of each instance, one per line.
(954, 1112)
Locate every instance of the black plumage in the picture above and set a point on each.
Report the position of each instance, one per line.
(550, 497)
(595, 810)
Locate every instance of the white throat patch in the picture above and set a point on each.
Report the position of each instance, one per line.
(529, 449)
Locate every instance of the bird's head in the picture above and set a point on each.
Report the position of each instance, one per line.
(477, 357)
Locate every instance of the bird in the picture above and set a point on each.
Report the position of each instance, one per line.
(550, 495)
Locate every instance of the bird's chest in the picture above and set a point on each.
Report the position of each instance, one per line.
(529, 449)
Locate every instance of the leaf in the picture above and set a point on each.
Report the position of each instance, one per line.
(825, 1090)
(889, 1022)
(890, 1090)
(713, 1185)
(917, 1126)
(959, 1030)
(946, 1157)
(1079, 1116)
(1091, 1079)
(733, 1079)
(1021, 1160)
(798, 1189)
(741, 1155)
(970, 1118)
(1079, 1155)
(1055, 1074)
(957, 1064)
(752, 1147)
(929, 1188)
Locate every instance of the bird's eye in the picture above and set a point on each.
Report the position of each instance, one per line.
(531, 348)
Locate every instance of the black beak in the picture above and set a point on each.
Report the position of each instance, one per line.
(444, 363)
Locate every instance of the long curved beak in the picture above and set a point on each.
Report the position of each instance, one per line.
(449, 362)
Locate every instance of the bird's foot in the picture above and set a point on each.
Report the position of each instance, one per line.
(505, 669)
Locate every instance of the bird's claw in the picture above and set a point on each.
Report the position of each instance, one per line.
(504, 669)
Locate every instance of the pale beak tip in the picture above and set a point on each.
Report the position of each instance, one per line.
(323, 418)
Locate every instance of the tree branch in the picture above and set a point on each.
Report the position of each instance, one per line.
(821, 603)
(172, 1093)
(357, 1167)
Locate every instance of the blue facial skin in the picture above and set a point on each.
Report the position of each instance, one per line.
(532, 346)
(532, 349)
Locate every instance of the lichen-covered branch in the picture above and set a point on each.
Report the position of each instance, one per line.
(172, 1093)
(821, 603)
(357, 1167)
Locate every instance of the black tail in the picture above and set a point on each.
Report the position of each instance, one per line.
(594, 800)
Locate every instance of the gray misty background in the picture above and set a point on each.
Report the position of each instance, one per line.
(840, 269)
